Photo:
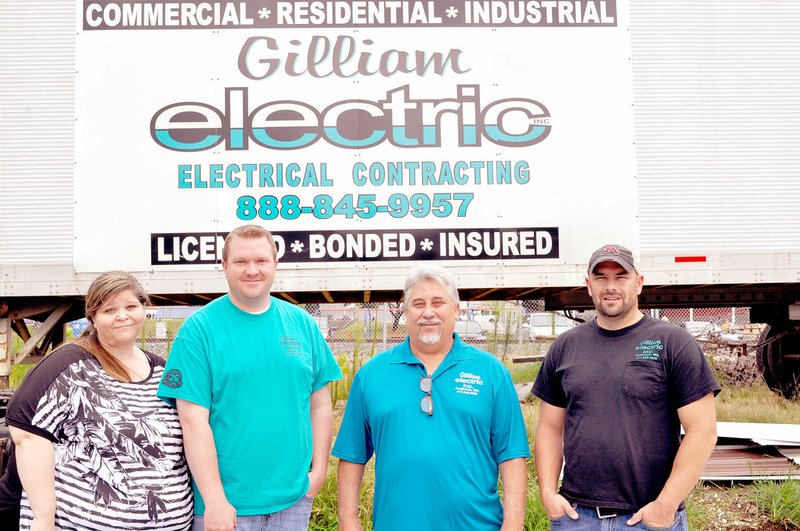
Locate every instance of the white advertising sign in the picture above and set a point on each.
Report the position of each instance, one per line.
(380, 131)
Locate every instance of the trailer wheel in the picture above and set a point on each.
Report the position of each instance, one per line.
(779, 360)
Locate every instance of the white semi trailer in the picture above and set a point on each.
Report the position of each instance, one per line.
(503, 139)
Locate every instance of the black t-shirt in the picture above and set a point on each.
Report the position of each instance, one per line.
(622, 390)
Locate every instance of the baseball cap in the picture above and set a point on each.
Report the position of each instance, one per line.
(613, 253)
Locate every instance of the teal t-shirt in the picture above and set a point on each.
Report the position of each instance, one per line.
(255, 374)
(434, 472)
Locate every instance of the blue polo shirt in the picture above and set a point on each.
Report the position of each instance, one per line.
(434, 472)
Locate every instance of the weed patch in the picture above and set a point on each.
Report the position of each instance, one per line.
(780, 501)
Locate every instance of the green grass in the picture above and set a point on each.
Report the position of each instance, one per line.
(756, 403)
(523, 372)
(535, 517)
(340, 389)
(324, 512)
(781, 501)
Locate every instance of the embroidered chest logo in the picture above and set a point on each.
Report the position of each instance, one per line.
(172, 379)
(291, 346)
(649, 349)
(468, 384)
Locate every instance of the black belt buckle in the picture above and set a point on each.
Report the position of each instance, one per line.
(605, 512)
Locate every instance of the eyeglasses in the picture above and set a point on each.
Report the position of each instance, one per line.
(426, 404)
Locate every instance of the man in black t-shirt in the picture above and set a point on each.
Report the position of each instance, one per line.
(614, 393)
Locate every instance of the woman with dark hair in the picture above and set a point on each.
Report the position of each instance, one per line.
(94, 447)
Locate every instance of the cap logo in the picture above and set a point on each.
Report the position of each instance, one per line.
(610, 249)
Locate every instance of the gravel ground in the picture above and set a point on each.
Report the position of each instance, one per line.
(731, 510)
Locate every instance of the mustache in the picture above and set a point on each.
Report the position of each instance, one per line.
(429, 322)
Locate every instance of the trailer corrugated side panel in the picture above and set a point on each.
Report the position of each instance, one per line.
(37, 80)
(717, 101)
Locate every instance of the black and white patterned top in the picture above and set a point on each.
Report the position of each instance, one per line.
(119, 460)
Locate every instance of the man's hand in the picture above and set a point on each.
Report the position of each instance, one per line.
(219, 516)
(315, 481)
(556, 506)
(654, 514)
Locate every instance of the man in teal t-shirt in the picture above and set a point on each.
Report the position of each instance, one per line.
(250, 374)
(442, 418)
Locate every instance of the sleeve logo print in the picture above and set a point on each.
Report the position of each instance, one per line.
(172, 379)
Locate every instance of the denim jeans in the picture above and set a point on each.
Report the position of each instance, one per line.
(588, 520)
(294, 518)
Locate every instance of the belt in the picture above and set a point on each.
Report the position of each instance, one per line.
(604, 512)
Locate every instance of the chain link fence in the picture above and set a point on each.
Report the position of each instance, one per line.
(508, 329)
(514, 331)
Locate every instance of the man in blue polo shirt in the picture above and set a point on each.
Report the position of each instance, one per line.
(442, 418)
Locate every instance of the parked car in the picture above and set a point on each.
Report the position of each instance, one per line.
(496, 318)
(470, 330)
(547, 324)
